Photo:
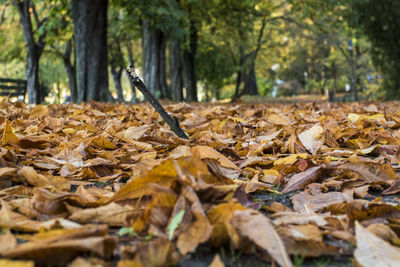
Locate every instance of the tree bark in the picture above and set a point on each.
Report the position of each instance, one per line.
(175, 70)
(332, 91)
(132, 64)
(250, 82)
(116, 74)
(165, 91)
(116, 64)
(188, 62)
(90, 30)
(151, 47)
(34, 51)
(70, 70)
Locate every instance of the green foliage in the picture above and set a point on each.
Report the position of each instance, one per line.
(127, 231)
(380, 22)
(214, 64)
(300, 37)
(265, 86)
(173, 225)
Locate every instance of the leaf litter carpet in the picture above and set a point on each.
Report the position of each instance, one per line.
(110, 185)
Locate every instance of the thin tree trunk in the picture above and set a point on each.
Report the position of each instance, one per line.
(116, 74)
(116, 64)
(132, 64)
(217, 93)
(353, 76)
(70, 70)
(332, 91)
(189, 73)
(90, 30)
(34, 51)
(239, 76)
(165, 91)
(151, 49)
(175, 70)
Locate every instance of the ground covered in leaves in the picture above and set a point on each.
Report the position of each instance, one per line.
(106, 184)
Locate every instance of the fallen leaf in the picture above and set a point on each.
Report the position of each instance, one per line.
(259, 229)
(312, 139)
(7, 242)
(217, 262)
(220, 217)
(302, 179)
(371, 172)
(373, 251)
(16, 263)
(9, 136)
(206, 152)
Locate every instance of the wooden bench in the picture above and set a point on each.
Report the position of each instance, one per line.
(12, 87)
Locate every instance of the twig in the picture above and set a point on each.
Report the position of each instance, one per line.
(172, 122)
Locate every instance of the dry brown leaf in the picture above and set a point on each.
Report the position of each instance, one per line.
(312, 139)
(220, 217)
(306, 203)
(298, 218)
(157, 253)
(206, 152)
(65, 250)
(135, 133)
(217, 262)
(302, 179)
(260, 230)
(7, 242)
(112, 214)
(195, 227)
(371, 172)
(6, 174)
(362, 209)
(373, 251)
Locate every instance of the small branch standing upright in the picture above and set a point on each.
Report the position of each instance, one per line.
(172, 122)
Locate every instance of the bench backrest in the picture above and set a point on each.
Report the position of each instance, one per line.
(12, 87)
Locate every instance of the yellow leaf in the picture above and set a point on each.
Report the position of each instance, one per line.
(9, 136)
(16, 263)
(289, 160)
(206, 152)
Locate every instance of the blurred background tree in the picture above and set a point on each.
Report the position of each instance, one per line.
(202, 50)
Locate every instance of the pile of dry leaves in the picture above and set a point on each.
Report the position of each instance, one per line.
(111, 184)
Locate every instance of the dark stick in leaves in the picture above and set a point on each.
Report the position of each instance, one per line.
(172, 122)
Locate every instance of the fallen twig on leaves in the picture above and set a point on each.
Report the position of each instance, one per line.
(172, 122)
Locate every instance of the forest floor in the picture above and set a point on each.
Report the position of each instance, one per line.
(294, 184)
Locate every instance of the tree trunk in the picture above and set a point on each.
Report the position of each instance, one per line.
(90, 30)
(189, 73)
(332, 91)
(217, 93)
(70, 70)
(116, 74)
(117, 66)
(175, 70)
(34, 51)
(151, 47)
(165, 92)
(239, 76)
(353, 76)
(250, 82)
(237, 85)
(132, 63)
